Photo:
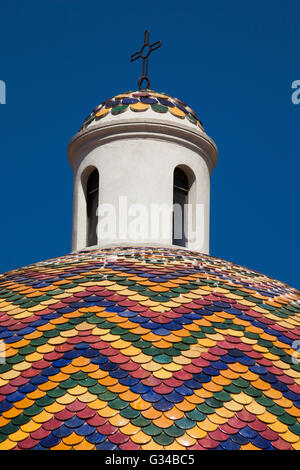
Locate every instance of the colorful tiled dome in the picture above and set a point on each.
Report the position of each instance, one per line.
(141, 101)
(147, 348)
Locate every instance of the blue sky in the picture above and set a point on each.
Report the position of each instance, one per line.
(232, 61)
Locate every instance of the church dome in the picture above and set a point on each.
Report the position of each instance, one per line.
(143, 104)
(147, 348)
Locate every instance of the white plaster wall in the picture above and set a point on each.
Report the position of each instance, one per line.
(140, 166)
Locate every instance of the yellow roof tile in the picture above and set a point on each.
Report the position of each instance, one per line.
(18, 436)
(163, 422)
(61, 446)
(185, 405)
(72, 439)
(129, 396)
(7, 444)
(23, 404)
(140, 404)
(196, 432)
(11, 413)
(151, 413)
(87, 397)
(98, 404)
(162, 374)
(186, 440)
(65, 399)
(151, 445)
(77, 390)
(118, 421)
(140, 438)
(84, 445)
(30, 427)
(290, 437)
(108, 412)
(130, 429)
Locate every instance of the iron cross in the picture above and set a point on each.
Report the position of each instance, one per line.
(144, 53)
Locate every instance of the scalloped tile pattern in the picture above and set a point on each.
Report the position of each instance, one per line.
(139, 101)
(147, 348)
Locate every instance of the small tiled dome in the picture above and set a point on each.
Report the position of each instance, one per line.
(143, 101)
(147, 348)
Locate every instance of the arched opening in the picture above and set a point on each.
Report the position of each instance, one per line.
(180, 200)
(92, 197)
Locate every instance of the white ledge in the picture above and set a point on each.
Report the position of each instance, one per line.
(148, 128)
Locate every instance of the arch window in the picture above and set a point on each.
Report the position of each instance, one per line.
(180, 199)
(92, 197)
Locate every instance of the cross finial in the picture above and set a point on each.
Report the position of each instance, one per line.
(144, 53)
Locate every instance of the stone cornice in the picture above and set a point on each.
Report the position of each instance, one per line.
(92, 137)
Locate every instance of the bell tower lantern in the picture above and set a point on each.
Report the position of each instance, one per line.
(142, 163)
